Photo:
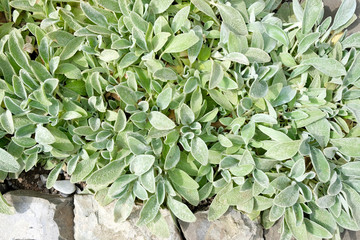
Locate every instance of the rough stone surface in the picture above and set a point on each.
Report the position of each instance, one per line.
(65, 186)
(350, 235)
(233, 225)
(38, 217)
(94, 222)
(331, 7)
(274, 232)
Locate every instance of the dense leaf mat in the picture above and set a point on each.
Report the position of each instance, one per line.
(172, 102)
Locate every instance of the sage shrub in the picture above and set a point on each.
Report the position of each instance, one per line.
(254, 104)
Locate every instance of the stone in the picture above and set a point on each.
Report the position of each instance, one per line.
(65, 186)
(331, 7)
(95, 222)
(38, 217)
(232, 225)
(350, 235)
(274, 232)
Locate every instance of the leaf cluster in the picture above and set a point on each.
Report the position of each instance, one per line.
(255, 103)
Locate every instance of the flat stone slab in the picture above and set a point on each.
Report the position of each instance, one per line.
(233, 225)
(95, 222)
(38, 217)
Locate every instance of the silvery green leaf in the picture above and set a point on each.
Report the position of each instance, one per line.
(298, 10)
(237, 57)
(164, 98)
(181, 42)
(219, 206)
(53, 175)
(208, 117)
(119, 185)
(182, 179)
(128, 59)
(109, 55)
(149, 211)
(71, 48)
(140, 191)
(94, 15)
(320, 164)
(199, 150)
(263, 118)
(316, 229)
(160, 121)
(320, 130)
(123, 208)
(126, 94)
(283, 150)
(160, 6)
(298, 231)
(186, 115)
(276, 212)
(224, 141)
(287, 59)
(307, 42)
(233, 19)
(8, 162)
(7, 122)
(351, 168)
(148, 180)
(194, 50)
(216, 75)
(328, 66)
(136, 146)
(335, 185)
(43, 136)
(204, 7)
(286, 95)
(159, 227)
(180, 18)
(347, 146)
(261, 178)
(17, 53)
(277, 33)
(180, 210)
(344, 13)
(219, 98)
(287, 197)
(62, 141)
(159, 40)
(120, 122)
(172, 158)
(274, 134)
(257, 55)
(141, 164)
(298, 169)
(107, 174)
(165, 74)
(354, 73)
(353, 199)
(351, 41)
(312, 11)
(19, 87)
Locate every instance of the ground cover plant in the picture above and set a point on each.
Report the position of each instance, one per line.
(168, 103)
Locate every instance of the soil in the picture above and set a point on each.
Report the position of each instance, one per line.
(34, 180)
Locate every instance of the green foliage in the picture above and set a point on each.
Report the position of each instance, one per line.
(173, 101)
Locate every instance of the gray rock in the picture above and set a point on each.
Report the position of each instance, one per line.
(233, 225)
(65, 186)
(274, 232)
(350, 235)
(331, 7)
(94, 222)
(38, 216)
